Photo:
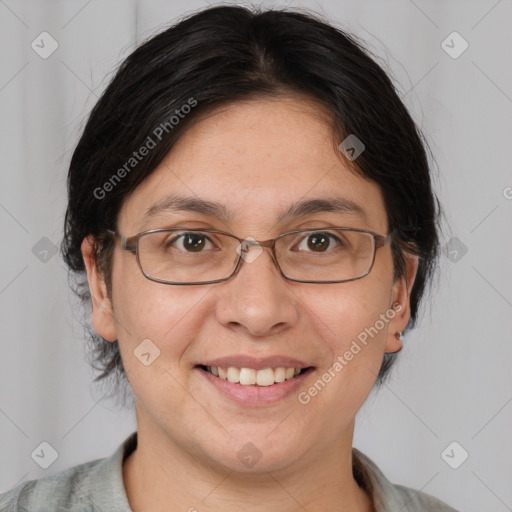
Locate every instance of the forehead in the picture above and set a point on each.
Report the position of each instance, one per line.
(255, 161)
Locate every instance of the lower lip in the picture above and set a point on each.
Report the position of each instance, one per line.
(254, 395)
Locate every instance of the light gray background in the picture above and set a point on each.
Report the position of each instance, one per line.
(453, 381)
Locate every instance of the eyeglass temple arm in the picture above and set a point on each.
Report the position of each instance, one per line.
(128, 244)
(384, 239)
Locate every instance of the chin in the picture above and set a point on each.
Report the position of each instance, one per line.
(257, 450)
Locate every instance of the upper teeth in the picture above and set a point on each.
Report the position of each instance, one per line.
(248, 376)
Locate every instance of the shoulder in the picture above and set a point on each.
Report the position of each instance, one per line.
(95, 485)
(416, 501)
(388, 497)
(66, 490)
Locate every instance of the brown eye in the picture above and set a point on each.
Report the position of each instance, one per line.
(319, 242)
(194, 242)
(190, 242)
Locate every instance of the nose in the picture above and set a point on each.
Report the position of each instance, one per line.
(257, 299)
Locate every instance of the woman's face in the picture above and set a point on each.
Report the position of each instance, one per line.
(256, 159)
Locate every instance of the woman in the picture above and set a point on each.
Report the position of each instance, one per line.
(251, 204)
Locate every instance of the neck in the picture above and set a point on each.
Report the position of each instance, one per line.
(160, 475)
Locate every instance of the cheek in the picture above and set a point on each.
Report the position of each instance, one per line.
(349, 316)
(157, 328)
(143, 308)
(357, 316)
(151, 318)
(354, 310)
(156, 312)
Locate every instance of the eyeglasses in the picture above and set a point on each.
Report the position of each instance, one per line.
(202, 256)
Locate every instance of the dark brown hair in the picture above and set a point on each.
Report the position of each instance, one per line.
(222, 55)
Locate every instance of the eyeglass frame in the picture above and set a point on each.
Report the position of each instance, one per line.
(131, 244)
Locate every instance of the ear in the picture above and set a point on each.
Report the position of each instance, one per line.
(400, 302)
(102, 310)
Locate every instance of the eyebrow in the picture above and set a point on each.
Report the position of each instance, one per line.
(175, 203)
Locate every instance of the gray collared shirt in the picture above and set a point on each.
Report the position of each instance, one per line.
(98, 486)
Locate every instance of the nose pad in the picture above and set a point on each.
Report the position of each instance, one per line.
(244, 249)
(250, 250)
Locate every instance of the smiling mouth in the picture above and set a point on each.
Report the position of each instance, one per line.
(252, 377)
